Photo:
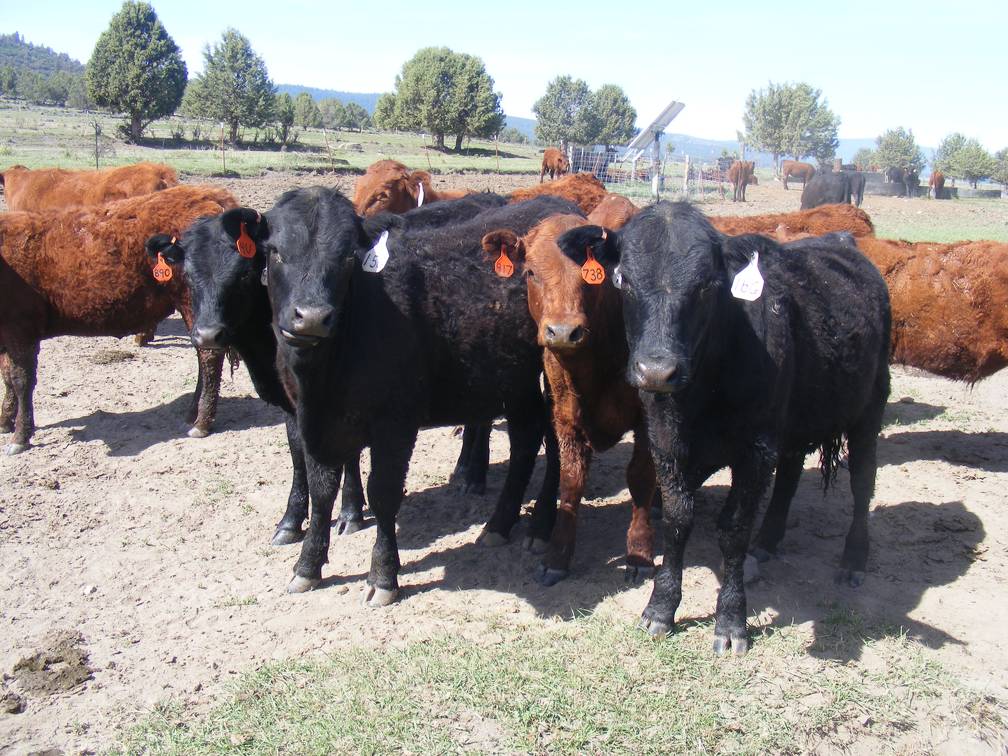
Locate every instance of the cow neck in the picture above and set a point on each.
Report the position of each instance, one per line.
(256, 342)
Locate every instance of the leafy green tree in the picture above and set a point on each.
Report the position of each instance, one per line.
(897, 148)
(384, 113)
(234, 87)
(972, 162)
(8, 81)
(136, 68)
(306, 113)
(332, 113)
(560, 113)
(285, 115)
(613, 117)
(948, 147)
(864, 158)
(513, 136)
(790, 119)
(77, 97)
(356, 117)
(1000, 174)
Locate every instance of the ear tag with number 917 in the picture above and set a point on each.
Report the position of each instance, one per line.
(504, 267)
(748, 283)
(375, 258)
(591, 271)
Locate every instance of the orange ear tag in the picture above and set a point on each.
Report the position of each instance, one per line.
(591, 271)
(504, 267)
(246, 247)
(162, 271)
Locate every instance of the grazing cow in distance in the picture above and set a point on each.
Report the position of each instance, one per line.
(827, 189)
(579, 323)
(389, 186)
(57, 189)
(583, 189)
(554, 163)
(84, 272)
(740, 174)
(384, 330)
(936, 182)
(747, 355)
(815, 222)
(804, 171)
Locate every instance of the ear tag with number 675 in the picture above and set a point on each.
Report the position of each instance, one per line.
(374, 259)
(748, 283)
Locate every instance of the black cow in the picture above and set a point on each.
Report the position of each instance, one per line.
(907, 178)
(857, 184)
(753, 384)
(430, 337)
(231, 309)
(827, 189)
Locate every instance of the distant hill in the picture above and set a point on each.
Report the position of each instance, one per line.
(366, 100)
(17, 53)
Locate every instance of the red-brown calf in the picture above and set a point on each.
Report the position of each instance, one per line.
(389, 186)
(85, 272)
(585, 357)
(583, 189)
(554, 163)
(56, 189)
(613, 211)
(817, 221)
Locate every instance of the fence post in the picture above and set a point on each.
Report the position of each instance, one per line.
(685, 178)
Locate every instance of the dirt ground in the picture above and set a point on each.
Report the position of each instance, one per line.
(136, 563)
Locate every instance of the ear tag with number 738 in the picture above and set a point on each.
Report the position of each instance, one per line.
(748, 283)
(374, 259)
(591, 272)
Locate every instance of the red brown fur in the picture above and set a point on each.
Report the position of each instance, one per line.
(85, 272)
(817, 221)
(55, 188)
(583, 189)
(593, 406)
(613, 211)
(804, 171)
(741, 174)
(937, 183)
(554, 163)
(389, 186)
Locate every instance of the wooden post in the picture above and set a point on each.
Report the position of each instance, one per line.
(222, 158)
(685, 178)
(497, 152)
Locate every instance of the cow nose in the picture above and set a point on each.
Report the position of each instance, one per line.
(657, 375)
(313, 321)
(208, 337)
(563, 336)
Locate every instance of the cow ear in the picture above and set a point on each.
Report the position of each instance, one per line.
(500, 244)
(604, 243)
(167, 246)
(737, 251)
(370, 229)
(255, 224)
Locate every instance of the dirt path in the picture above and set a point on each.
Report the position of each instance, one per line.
(143, 555)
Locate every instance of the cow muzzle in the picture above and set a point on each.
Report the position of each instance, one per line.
(208, 337)
(309, 325)
(658, 375)
(563, 336)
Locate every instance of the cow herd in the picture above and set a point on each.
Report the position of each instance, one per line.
(744, 343)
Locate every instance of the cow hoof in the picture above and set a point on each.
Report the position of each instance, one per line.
(378, 597)
(302, 584)
(750, 569)
(635, 573)
(550, 575)
(491, 538)
(346, 527)
(853, 578)
(195, 432)
(287, 536)
(737, 644)
(761, 554)
(11, 449)
(654, 627)
(536, 545)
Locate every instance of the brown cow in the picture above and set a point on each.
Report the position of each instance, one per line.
(936, 182)
(389, 186)
(613, 211)
(585, 357)
(554, 163)
(583, 189)
(56, 189)
(740, 174)
(85, 272)
(804, 171)
(815, 222)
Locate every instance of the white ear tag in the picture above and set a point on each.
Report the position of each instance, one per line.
(375, 258)
(419, 199)
(617, 277)
(264, 278)
(748, 283)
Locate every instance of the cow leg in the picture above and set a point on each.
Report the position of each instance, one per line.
(862, 445)
(145, 337)
(474, 459)
(204, 404)
(288, 530)
(20, 375)
(575, 459)
(9, 410)
(351, 516)
(323, 484)
(389, 462)
(544, 513)
(640, 536)
(525, 432)
(789, 470)
(750, 479)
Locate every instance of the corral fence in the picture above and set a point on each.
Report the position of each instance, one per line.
(634, 174)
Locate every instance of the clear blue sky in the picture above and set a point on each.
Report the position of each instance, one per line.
(935, 67)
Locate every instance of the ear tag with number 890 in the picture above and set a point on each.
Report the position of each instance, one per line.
(162, 271)
(373, 261)
(591, 271)
(748, 283)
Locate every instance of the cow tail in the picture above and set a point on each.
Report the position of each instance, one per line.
(830, 455)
